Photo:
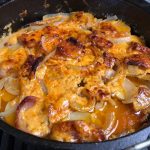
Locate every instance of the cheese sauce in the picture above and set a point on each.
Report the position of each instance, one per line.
(75, 78)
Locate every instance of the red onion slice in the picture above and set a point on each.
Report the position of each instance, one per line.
(12, 86)
(30, 117)
(25, 104)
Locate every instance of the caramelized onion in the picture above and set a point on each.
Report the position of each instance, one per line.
(109, 73)
(9, 109)
(34, 27)
(12, 86)
(50, 55)
(145, 77)
(82, 68)
(112, 102)
(111, 124)
(45, 40)
(76, 105)
(40, 72)
(55, 15)
(58, 18)
(2, 82)
(119, 74)
(100, 106)
(129, 89)
(134, 71)
(121, 40)
(79, 116)
(43, 86)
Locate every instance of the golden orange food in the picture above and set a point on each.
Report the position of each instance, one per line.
(75, 78)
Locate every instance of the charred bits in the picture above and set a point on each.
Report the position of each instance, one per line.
(100, 42)
(141, 61)
(109, 60)
(81, 84)
(30, 66)
(25, 41)
(70, 48)
(138, 47)
(75, 42)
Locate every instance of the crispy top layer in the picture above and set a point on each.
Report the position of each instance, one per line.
(80, 79)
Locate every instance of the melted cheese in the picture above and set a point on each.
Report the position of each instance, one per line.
(78, 50)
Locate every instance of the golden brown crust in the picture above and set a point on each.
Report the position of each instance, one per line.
(138, 47)
(109, 59)
(107, 29)
(70, 48)
(100, 42)
(139, 60)
(57, 114)
(28, 40)
(76, 131)
(74, 67)
(29, 67)
(89, 132)
(142, 100)
(113, 29)
(65, 132)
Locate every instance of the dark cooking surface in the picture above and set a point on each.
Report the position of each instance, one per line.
(8, 142)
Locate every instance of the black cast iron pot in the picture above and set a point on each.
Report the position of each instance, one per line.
(136, 17)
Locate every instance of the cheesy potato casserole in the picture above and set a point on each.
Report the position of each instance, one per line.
(75, 78)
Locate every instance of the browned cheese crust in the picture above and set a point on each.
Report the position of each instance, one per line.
(75, 78)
